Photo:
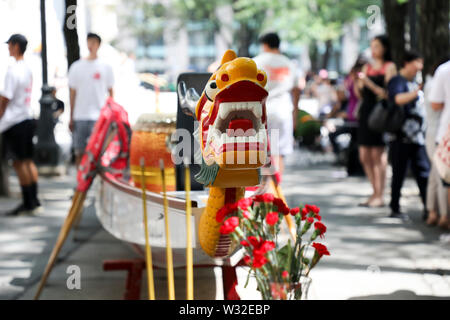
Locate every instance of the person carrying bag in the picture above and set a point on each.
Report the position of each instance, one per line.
(407, 148)
(386, 117)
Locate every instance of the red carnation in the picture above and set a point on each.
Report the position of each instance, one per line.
(312, 208)
(281, 206)
(221, 214)
(259, 261)
(320, 227)
(310, 220)
(268, 197)
(244, 203)
(246, 214)
(272, 218)
(263, 247)
(267, 246)
(253, 240)
(245, 243)
(229, 225)
(320, 249)
(225, 210)
(247, 260)
(318, 217)
(304, 213)
(285, 274)
(295, 211)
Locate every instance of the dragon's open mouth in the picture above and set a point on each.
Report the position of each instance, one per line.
(236, 127)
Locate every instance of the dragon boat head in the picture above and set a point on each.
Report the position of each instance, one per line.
(232, 122)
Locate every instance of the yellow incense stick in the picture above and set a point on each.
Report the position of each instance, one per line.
(189, 258)
(169, 258)
(148, 250)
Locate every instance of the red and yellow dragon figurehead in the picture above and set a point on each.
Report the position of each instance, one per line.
(232, 133)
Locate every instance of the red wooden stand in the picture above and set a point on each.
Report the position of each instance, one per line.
(135, 268)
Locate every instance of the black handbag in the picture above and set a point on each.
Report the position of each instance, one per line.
(386, 117)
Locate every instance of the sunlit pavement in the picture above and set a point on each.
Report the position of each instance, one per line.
(372, 257)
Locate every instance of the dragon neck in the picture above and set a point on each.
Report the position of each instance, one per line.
(218, 197)
(219, 245)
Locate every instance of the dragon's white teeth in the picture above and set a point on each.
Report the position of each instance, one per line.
(226, 107)
(223, 111)
(256, 107)
(262, 135)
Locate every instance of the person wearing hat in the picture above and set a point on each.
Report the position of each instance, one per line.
(17, 125)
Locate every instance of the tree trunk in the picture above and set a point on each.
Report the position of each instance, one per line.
(314, 56)
(327, 54)
(243, 40)
(433, 32)
(395, 15)
(71, 33)
(412, 22)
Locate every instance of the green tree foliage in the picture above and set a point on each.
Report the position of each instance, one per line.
(306, 20)
(146, 20)
(295, 20)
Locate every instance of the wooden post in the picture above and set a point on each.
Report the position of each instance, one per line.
(77, 205)
(189, 254)
(169, 257)
(148, 250)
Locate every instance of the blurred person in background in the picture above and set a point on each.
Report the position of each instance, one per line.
(437, 203)
(284, 94)
(440, 101)
(352, 90)
(324, 91)
(90, 81)
(408, 145)
(371, 86)
(17, 125)
(347, 105)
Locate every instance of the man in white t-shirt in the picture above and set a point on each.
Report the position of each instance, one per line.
(17, 125)
(440, 101)
(284, 94)
(440, 98)
(90, 81)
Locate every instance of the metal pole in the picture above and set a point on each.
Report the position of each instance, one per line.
(47, 151)
(44, 45)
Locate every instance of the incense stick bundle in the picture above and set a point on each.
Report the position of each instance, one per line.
(189, 254)
(148, 250)
(169, 257)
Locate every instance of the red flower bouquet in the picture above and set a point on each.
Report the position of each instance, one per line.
(279, 267)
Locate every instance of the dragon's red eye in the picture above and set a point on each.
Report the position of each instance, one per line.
(224, 77)
(260, 77)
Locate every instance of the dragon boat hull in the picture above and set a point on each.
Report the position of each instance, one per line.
(119, 210)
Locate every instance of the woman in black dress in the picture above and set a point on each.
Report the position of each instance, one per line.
(371, 87)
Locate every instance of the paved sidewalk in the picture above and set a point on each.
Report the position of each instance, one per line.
(26, 241)
(372, 257)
